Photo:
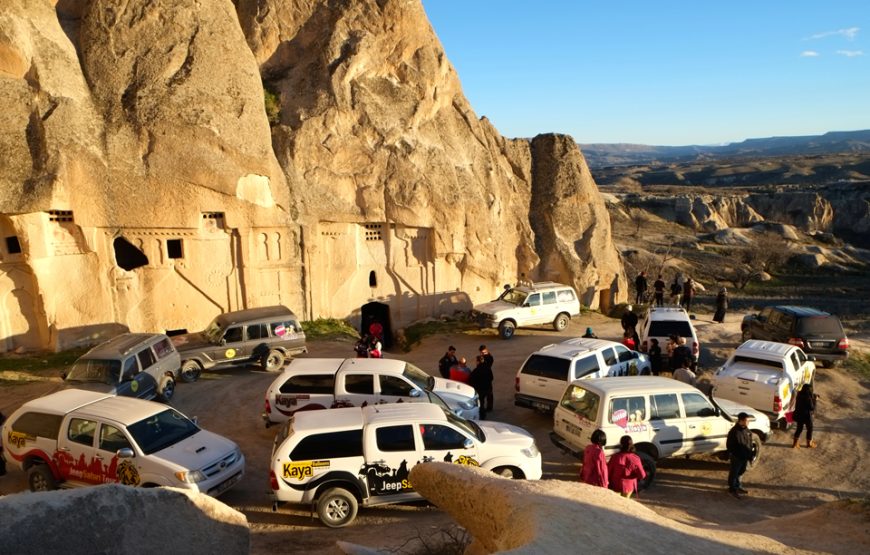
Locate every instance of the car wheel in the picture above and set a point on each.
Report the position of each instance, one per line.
(337, 507)
(166, 389)
(509, 472)
(756, 449)
(649, 467)
(561, 322)
(827, 363)
(190, 371)
(273, 361)
(506, 329)
(746, 334)
(40, 478)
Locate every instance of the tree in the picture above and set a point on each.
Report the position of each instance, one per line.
(766, 253)
(638, 217)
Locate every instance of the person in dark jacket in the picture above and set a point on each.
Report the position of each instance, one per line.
(486, 401)
(629, 319)
(481, 380)
(659, 288)
(804, 407)
(655, 356)
(688, 294)
(681, 354)
(739, 444)
(641, 285)
(447, 361)
(721, 305)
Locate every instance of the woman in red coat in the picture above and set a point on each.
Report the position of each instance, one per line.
(594, 470)
(625, 468)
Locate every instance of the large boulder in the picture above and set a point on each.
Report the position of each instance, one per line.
(120, 519)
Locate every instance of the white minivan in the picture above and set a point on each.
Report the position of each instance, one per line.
(542, 378)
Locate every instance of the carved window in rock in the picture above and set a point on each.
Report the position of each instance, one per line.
(60, 216)
(269, 246)
(174, 248)
(127, 255)
(373, 232)
(212, 221)
(13, 246)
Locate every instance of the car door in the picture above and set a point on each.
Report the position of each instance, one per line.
(76, 458)
(391, 453)
(396, 389)
(444, 443)
(144, 383)
(111, 440)
(549, 306)
(587, 367)
(232, 347)
(704, 433)
(627, 361)
(359, 390)
(667, 424)
(611, 361)
(129, 383)
(758, 325)
(257, 341)
(531, 313)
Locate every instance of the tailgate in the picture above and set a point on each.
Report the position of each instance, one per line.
(747, 390)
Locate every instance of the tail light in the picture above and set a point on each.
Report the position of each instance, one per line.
(843, 344)
(796, 341)
(268, 407)
(777, 403)
(517, 383)
(273, 480)
(696, 347)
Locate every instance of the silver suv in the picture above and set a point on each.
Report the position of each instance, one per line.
(143, 365)
(544, 302)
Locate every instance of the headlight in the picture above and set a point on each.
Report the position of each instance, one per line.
(190, 476)
(468, 405)
(531, 452)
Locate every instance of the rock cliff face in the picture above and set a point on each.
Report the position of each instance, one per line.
(143, 164)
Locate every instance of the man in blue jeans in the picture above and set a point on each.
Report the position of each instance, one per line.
(739, 446)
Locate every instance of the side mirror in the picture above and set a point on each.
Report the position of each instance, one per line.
(195, 420)
(507, 286)
(468, 444)
(526, 305)
(126, 453)
(811, 358)
(223, 341)
(416, 393)
(63, 375)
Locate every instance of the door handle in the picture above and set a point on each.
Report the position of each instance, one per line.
(692, 427)
(64, 449)
(656, 429)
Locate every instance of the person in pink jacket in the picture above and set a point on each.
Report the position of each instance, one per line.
(594, 470)
(625, 468)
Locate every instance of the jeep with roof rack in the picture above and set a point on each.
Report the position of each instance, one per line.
(544, 302)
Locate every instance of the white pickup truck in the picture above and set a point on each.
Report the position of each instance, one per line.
(324, 383)
(77, 438)
(339, 459)
(765, 376)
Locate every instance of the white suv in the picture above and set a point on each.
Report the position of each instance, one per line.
(528, 305)
(542, 378)
(664, 417)
(662, 322)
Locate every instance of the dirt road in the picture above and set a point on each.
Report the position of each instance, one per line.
(786, 481)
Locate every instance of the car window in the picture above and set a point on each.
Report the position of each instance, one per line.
(82, 431)
(146, 358)
(627, 410)
(257, 331)
(820, 325)
(534, 299)
(696, 404)
(794, 360)
(802, 357)
(663, 407)
(549, 297)
(233, 335)
(112, 439)
(782, 320)
(131, 368)
(439, 437)
(392, 385)
(624, 354)
(359, 383)
(547, 367)
(610, 357)
(666, 328)
(395, 438)
(163, 348)
(760, 361)
(582, 402)
(586, 365)
(765, 314)
(314, 383)
(280, 329)
(334, 445)
(566, 296)
(38, 424)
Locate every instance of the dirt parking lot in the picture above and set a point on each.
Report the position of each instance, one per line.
(785, 482)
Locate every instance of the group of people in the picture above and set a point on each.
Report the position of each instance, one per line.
(682, 293)
(480, 377)
(620, 474)
(368, 346)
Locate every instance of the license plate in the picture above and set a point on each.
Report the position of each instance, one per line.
(220, 488)
(541, 406)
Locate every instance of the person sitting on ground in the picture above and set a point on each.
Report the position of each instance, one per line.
(625, 468)
(594, 471)
(590, 334)
(684, 374)
(460, 372)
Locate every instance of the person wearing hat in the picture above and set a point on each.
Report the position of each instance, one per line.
(739, 446)
(447, 361)
(590, 334)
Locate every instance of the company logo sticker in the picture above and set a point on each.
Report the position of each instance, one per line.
(230, 353)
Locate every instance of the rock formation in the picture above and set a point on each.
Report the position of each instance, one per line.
(143, 167)
(120, 519)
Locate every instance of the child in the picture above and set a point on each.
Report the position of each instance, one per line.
(594, 470)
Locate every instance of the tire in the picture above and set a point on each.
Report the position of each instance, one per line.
(273, 361)
(756, 450)
(337, 507)
(511, 472)
(506, 329)
(166, 389)
(40, 478)
(190, 371)
(561, 322)
(649, 466)
(827, 363)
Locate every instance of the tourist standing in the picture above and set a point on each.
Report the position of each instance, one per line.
(804, 407)
(625, 468)
(594, 471)
(481, 380)
(629, 319)
(486, 401)
(739, 444)
(688, 294)
(721, 305)
(641, 285)
(684, 374)
(460, 371)
(676, 293)
(655, 356)
(659, 288)
(447, 361)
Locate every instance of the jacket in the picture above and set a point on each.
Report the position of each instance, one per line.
(481, 378)
(594, 470)
(739, 443)
(804, 406)
(623, 471)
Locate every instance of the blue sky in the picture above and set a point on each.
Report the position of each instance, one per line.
(661, 72)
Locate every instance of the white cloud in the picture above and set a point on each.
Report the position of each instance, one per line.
(850, 53)
(849, 34)
(809, 54)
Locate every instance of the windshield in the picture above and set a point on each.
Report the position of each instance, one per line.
(469, 426)
(420, 378)
(581, 402)
(95, 370)
(213, 332)
(513, 296)
(162, 430)
(436, 400)
(821, 325)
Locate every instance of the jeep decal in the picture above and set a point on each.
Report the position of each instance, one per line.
(18, 439)
(302, 470)
(382, 480)
(128, 474)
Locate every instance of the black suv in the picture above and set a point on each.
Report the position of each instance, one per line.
(818, 333)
